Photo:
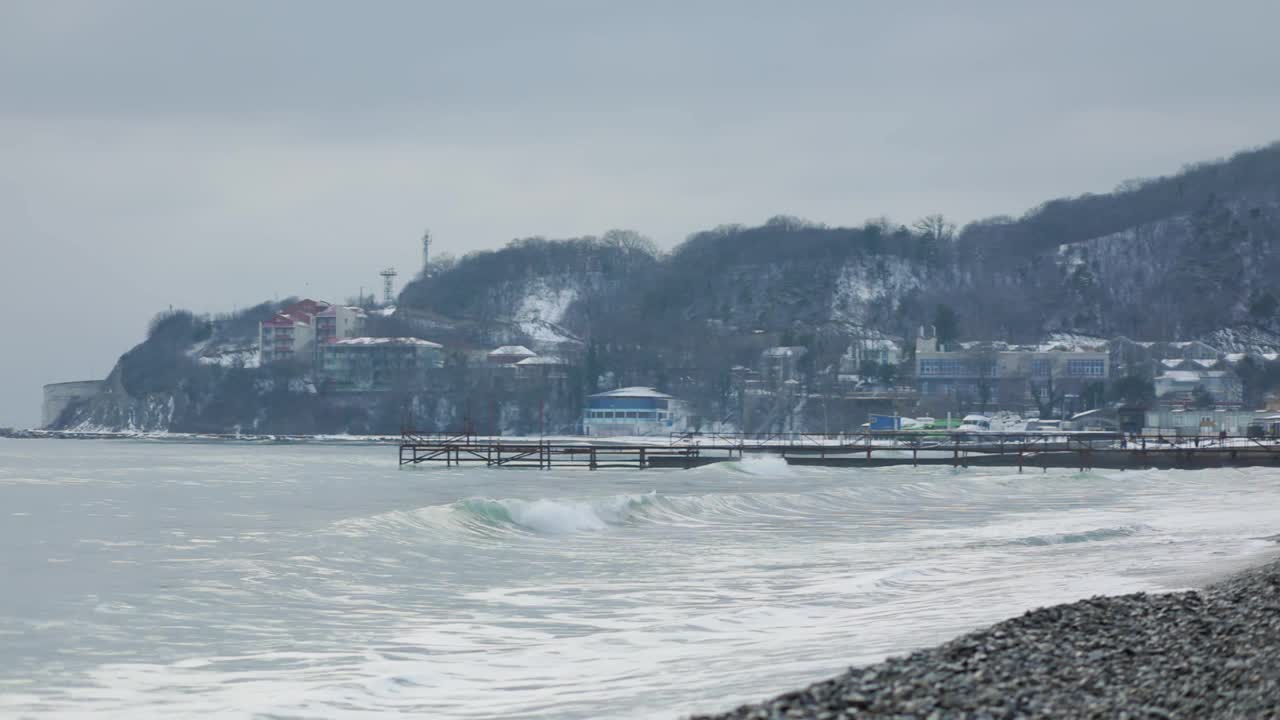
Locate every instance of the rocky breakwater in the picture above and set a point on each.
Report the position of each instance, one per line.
(1213, 653)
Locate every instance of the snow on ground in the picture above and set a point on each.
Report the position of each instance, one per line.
(1244, 339)
(247, 357)
(542, 310)
(863, 282)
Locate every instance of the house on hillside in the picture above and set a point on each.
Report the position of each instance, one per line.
(1178, 387)
(508, 355)
(297, 330)
(866, 351)
(339, 321)
(781, 364)
(1144, 358)
(542, 368)
(290, 333)
(378, 363)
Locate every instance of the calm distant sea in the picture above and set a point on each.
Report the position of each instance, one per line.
(157, 580)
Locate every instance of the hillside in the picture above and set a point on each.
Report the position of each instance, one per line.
(1184, 256)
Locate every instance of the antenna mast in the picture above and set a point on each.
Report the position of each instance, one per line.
(388, 279)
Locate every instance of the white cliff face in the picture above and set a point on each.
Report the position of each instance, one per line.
(865, 289)
(540, 313)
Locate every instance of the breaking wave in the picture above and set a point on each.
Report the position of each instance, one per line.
(1083, 536)
(489, 517)
(553, 517)
(764, 465)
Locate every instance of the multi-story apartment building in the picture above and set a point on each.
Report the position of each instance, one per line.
(999, 373)
(382, 363)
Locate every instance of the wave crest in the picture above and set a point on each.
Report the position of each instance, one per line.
(553, 517)
(1095, 535)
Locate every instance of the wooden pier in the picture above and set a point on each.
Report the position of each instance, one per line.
(1083, 451)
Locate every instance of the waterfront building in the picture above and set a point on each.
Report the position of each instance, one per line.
(630, 411)
(1189, 422)
(1001, 373)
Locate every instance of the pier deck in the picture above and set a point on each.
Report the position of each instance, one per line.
(870, 449)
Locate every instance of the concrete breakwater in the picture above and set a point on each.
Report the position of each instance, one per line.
(1213, 653)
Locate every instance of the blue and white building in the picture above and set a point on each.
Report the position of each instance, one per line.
(1007, 373)
(631, 411)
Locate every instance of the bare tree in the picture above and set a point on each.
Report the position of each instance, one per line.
(935, 226)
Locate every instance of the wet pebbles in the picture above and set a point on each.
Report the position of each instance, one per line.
(1213, 653)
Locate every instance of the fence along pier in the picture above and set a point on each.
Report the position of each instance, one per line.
(1080, 450)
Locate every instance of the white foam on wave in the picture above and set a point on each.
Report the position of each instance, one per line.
(764, 465)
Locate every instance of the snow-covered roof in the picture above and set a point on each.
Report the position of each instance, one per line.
(1205, 363)
(633, 392)
(542, 360)
(1192, 375)
(418, 342)
(512, 351)
(786, 351)
(332, 310)
(1072, 342)
(285, 320)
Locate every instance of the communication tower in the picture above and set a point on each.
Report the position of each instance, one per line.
(388, 279)
(426, 251)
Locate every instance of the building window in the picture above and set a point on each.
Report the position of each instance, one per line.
(1086, 368)
(940, 367)
(1041, 367)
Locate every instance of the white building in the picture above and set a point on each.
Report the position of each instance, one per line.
(290, 333)
(1178, 386)
(631, 411)
(866, 350)
(1204, 423)
(337, 322)
(378, 363)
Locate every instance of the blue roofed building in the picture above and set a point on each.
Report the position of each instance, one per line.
(630, 411)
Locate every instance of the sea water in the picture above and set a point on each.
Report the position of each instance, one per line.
(160, 579)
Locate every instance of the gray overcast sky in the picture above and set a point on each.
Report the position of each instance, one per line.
(214, 154)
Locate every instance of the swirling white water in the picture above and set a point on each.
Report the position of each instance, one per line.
(147, 579)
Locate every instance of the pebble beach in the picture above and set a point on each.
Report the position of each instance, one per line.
(1211, 653)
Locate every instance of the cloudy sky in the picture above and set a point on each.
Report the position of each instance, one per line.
(210, 155)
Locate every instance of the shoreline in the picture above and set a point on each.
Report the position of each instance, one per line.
(1207, 653)
(24, 434)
